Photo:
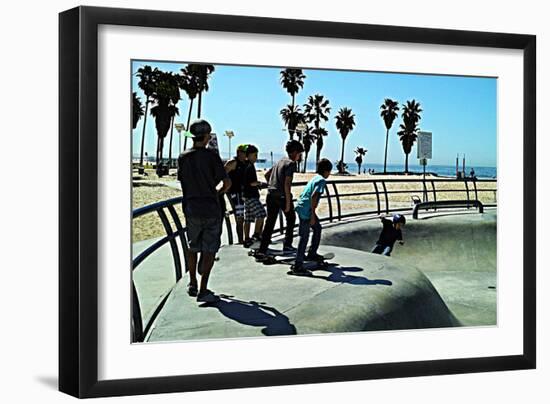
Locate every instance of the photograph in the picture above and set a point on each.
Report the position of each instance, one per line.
(276, 201)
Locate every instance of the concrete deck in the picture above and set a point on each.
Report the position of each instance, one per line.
(363, 292)
(444, 275)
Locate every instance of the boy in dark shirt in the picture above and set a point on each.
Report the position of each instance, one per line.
(254, 211)
(391, 232)
(279, 197)
(200, 171)
(235, 169)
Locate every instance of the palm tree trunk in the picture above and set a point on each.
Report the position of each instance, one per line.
(386, 151)
(143, 134)
(200, 104)
(305, 163)
(171, 133)
(319, 148)
(188, 123)
(359, 169)
(342, 158)
(407, 163)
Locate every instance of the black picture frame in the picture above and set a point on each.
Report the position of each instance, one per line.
(78, 201)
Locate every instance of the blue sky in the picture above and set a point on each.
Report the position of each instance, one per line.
(459, 111)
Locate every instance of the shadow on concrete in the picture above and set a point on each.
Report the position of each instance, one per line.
(256, 314)
(339, 275)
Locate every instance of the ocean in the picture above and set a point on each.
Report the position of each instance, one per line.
(440, 170)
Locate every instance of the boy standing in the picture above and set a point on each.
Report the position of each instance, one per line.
(254, 211)
(305, 208)
(235, 169)
(200, 171)
(279, 197)
(391, 232)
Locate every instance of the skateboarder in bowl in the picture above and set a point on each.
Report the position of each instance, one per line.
(306, 207)
(391, 232)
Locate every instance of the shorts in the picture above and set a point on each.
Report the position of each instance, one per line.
(253, 210)
(203, 234)
(237, 204)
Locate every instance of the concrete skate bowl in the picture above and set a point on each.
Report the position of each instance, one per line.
(440, 278)
(456, 252)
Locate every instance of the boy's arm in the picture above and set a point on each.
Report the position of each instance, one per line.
(267, 174)
(230, 166)
(314, 203)
(288, 195)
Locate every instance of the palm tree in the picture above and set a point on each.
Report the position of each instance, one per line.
(189, 83)
(200, 73)
(409, 128)
(360, 152)
(389, 113)
(292, 116)
(319, 134)
(147, 79)
(308, 140)
(166, 95)
(292, 81)
(316, 110)
(345, 122)
(137, 110)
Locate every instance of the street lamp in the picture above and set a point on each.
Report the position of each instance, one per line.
(229, 134)
(179, 127)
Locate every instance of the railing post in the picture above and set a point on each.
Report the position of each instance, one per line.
(386, 196)
(173, 244)
(137, 331)
(377, 196)
(183, 240)
(329, 201)
(337, 201)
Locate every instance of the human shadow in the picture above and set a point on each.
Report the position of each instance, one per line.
(338, 275)
(256, 314)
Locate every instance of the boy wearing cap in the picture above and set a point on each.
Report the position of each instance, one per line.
(200, 171)
(391, 232)
(254, 211)
(235, 169)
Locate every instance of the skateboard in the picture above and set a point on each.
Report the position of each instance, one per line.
(309, 265)
(273, 253)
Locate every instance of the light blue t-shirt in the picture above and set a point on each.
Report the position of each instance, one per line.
(303, 205)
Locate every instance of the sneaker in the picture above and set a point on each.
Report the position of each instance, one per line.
(207, 296)
(257, 237)
(248, 243)
(315, 257)
(289, 249)
(298, 269)
(192, 290)
(260, 257)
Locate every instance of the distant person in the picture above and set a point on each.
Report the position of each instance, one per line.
(391, 232)
(200, 171)
(279, 197)
(306, 207)
(235, 169)
(472, 174)
(254, 211)
(365, 171)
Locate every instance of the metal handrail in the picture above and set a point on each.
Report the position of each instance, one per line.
(161, 208)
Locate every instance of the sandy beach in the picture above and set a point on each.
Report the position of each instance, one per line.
(150, 189)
